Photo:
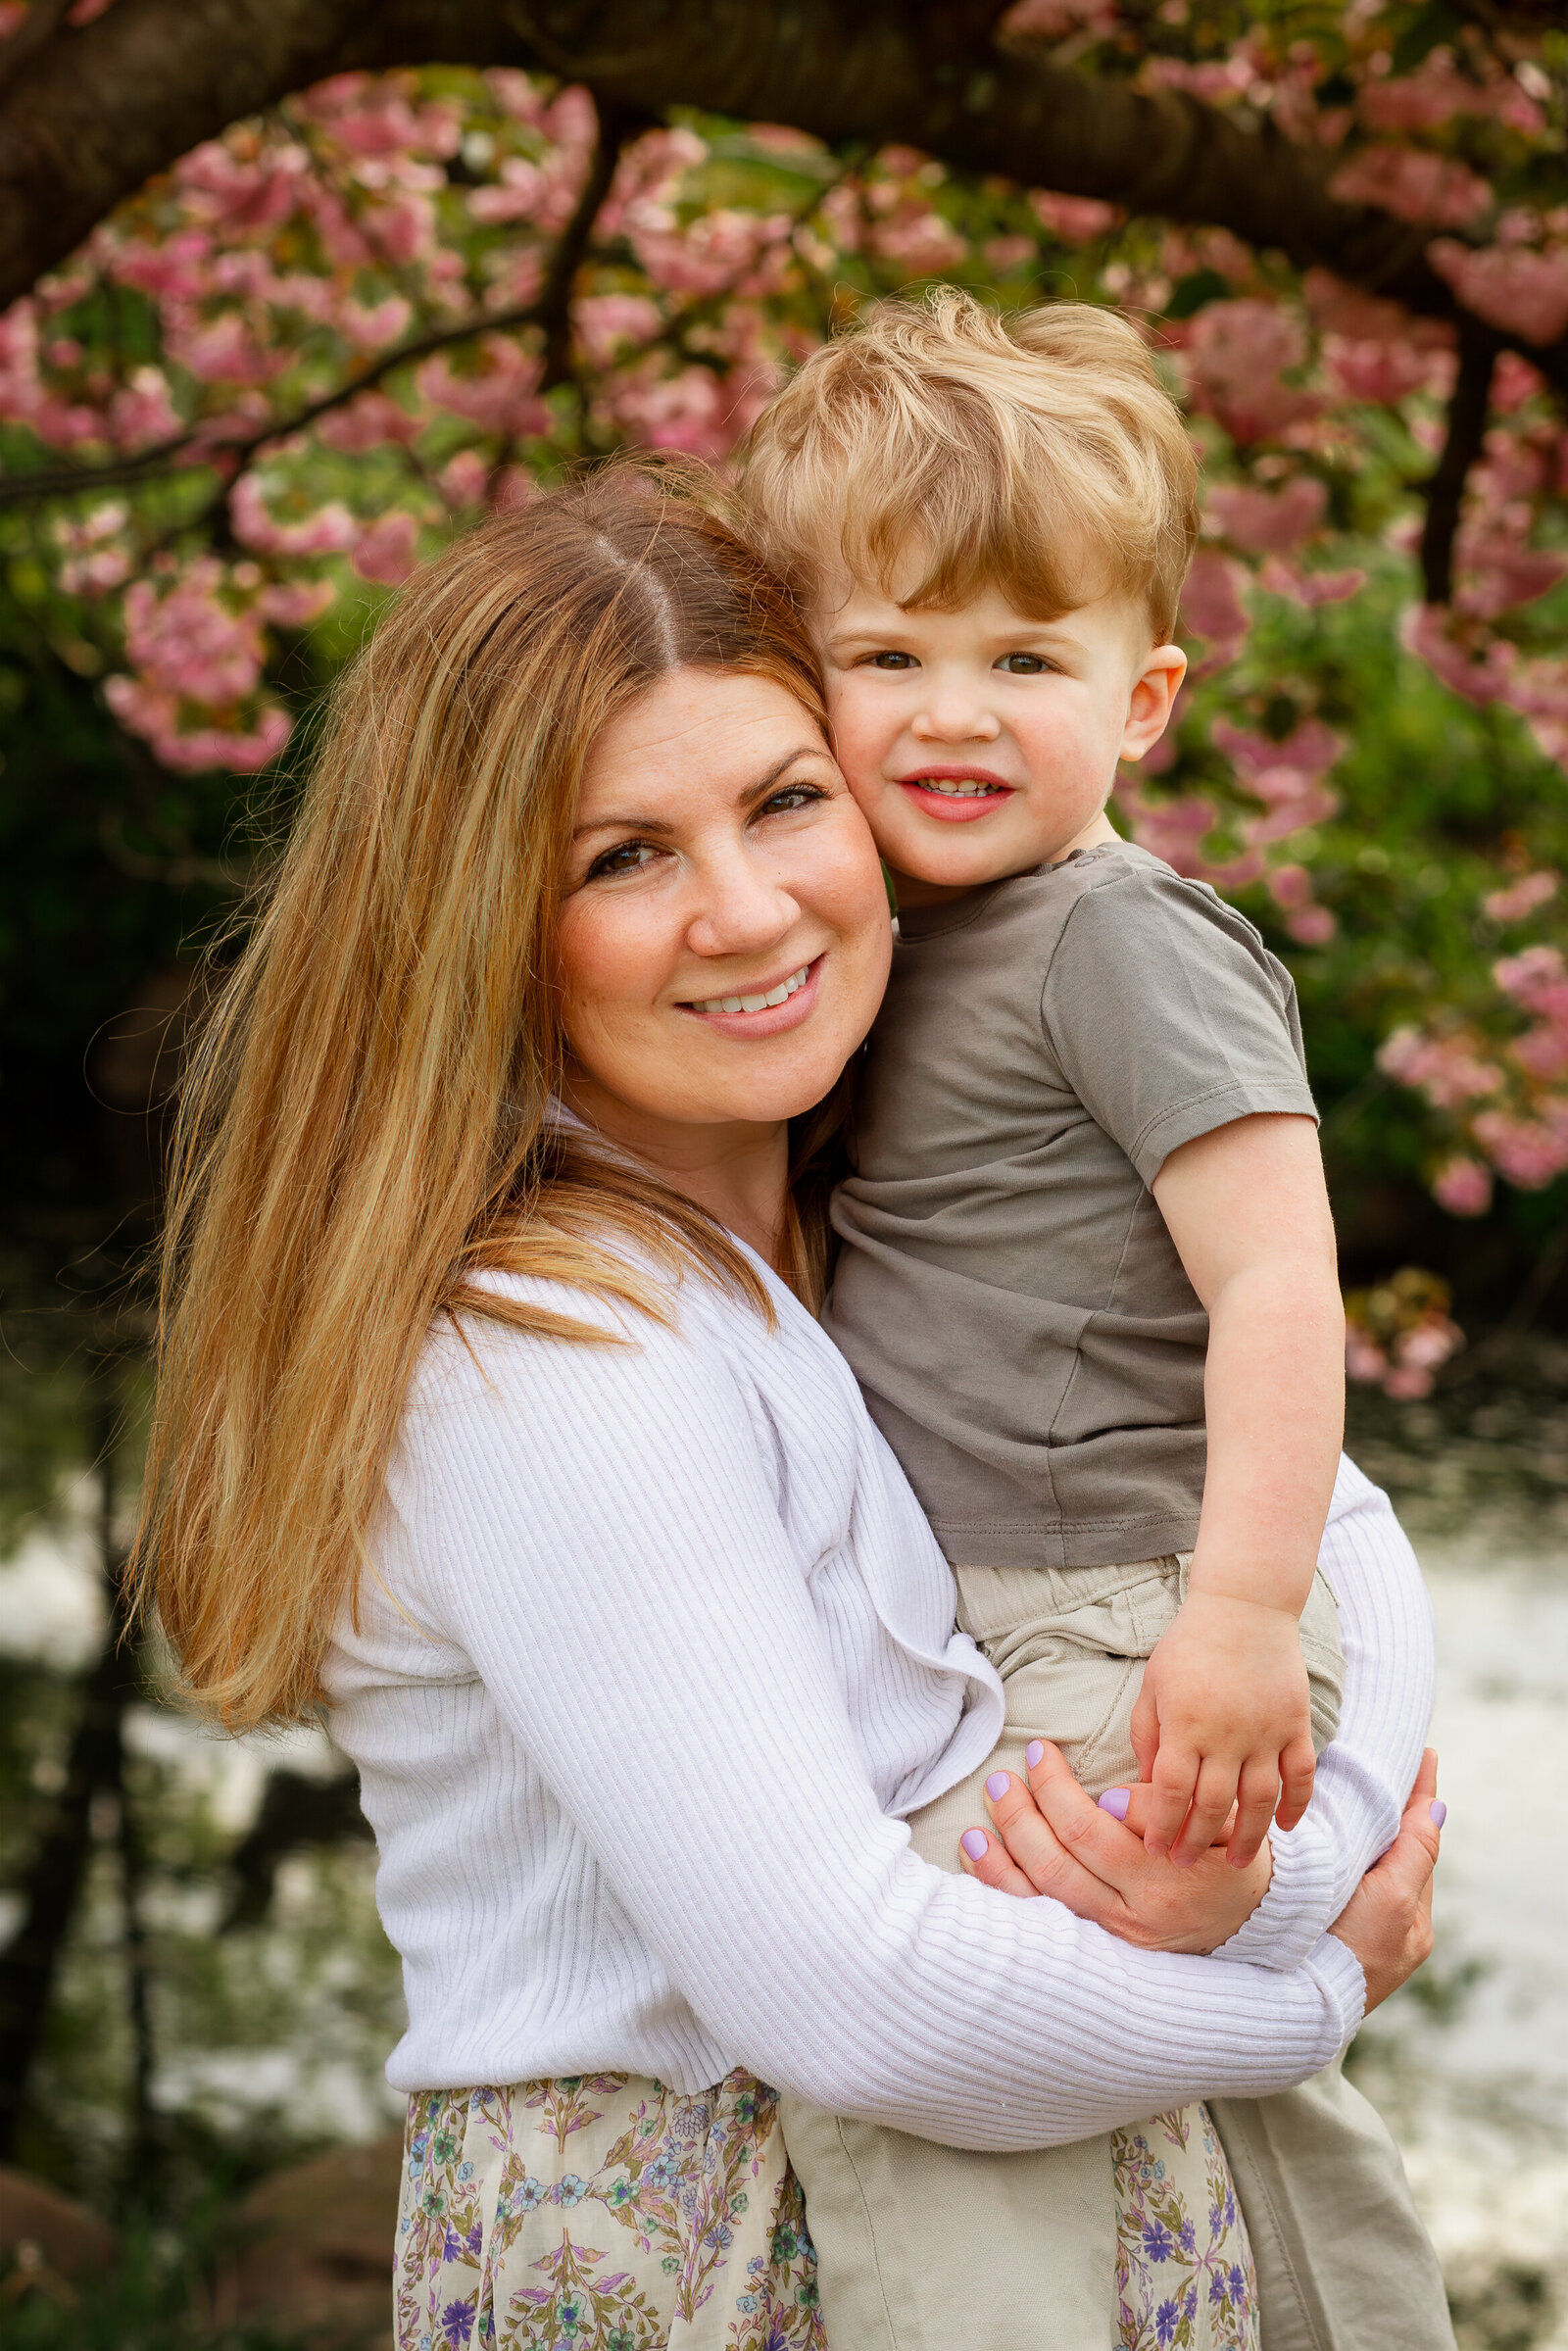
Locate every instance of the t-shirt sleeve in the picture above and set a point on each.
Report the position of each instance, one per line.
(1166, 1019)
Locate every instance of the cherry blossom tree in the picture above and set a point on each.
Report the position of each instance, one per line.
(314, 290)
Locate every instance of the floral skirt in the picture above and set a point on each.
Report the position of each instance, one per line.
(602, 2212)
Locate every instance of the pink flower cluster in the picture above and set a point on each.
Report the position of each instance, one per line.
(1524, 1135)
(197, 650)
(1399, 1336)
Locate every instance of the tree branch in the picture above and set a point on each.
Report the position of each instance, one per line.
(1444, 488)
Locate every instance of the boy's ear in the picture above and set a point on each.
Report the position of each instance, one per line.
(1153, 699)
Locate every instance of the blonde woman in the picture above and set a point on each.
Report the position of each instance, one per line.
(492, 1410)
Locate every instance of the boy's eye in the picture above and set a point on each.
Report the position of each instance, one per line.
(628, 857)
(892, 661)
(1023, 665)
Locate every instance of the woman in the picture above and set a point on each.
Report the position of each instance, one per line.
(489, 1407)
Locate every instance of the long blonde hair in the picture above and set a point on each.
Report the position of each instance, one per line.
(365, 1122)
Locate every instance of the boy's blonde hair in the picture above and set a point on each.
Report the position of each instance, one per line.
(1037, 454)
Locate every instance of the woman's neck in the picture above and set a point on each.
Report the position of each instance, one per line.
(737, 1171)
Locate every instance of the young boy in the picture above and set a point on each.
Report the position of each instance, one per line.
(1087, 1274)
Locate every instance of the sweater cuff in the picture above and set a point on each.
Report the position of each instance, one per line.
(1337, 1974)
(1299, 1902)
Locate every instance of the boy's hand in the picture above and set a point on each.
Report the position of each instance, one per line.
(1224, 1717)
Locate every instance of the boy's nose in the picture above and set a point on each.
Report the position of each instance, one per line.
(955, 721)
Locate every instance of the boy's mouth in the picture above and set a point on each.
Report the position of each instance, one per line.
(955, 795)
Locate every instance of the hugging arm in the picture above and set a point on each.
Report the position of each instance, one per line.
(630, 1600)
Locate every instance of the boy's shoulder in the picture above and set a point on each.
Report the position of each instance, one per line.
(1112, 890)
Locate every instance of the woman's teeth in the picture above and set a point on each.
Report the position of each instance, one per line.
(757, 1004)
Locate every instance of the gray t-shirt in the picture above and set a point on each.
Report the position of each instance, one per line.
(1006, 1289)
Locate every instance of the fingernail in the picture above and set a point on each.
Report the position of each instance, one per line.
(1033, 1752)
(1115, 1802)
(974, 1842)
(997, 1787)
(1440, 1812)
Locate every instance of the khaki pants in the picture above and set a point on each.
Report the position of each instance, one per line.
(922, 2247)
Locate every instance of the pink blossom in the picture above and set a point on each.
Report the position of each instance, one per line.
(1542, 1052)
(1436, 91)
(1385, 373)
(1008, 253)
(1269, 521)
(328, 530)
(513, 197)
(143, 412)
(1497, 573)
(1408, 1383)
(385, 551)
(499, 395)
(1524, 292)
(295, 603)
(1236, 353)
(13, 15)
(1537, 979)
(1447, 1070)
(1364, 1359)
(606, 322)
(1523, 1150)
(1310, 588)
(1313, 926)
(1054, 20)
(239, 194)
(1463, 1187)
(1284, 770)
(918, 241)
(1523, 896)
(369, 422)
(690, 411)
(1075, 219)
(464, 478)
(1514, 382)
(368, 329)
(179, 264)
(190, 644)
(96, 559)
(223, 350)
(1413, 186)
(1172, 829)
(1472, 663)
(148, 712)
(1211, 604)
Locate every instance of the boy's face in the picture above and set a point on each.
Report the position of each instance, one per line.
(979, 742)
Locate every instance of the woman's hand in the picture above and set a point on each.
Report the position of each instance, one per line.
(1052, 1838)
(1388, 1919)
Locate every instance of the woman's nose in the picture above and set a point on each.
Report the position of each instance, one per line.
(745, 909)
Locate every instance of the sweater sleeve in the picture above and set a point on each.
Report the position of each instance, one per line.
(1366, 1772)
(602, 1537)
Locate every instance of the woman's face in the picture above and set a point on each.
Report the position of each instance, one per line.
(724, 940)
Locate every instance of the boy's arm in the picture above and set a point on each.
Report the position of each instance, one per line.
(1225, 1695)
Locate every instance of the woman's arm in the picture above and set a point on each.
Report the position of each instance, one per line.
(601, 1534)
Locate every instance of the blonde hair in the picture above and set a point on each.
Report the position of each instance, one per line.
(367, 1121)
(1037, 454)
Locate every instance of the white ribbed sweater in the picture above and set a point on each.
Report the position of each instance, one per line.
(657, 1643)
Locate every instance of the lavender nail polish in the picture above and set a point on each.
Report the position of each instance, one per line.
(1115, 1802)
(997, 1787)
(1440, 1812)
(1032, 1754)
(974, 1842)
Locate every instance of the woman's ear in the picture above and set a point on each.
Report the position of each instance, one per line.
(1152, 699)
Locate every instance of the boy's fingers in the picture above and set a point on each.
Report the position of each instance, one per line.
(1175, 1778)
(1146, 1732)
(1212, 1800)
(1258, 1792)
(1131, 1806)
(988, 1859)
(1297, 1773)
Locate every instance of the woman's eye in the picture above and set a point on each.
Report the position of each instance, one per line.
(628, 857)
(1023, 665)
(892, 661)
(792, 795)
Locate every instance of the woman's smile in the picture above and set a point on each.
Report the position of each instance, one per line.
(765, 1008)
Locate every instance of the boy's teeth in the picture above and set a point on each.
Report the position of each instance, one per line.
(965, 788)
(757, 1004)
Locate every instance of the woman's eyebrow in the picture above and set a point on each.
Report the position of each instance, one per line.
(623, 824)
(802, 751)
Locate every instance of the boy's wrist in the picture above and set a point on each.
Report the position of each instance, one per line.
(1280, 1588)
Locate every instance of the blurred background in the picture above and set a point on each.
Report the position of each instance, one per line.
(299, 290)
